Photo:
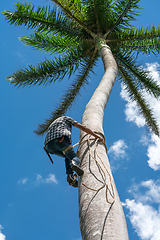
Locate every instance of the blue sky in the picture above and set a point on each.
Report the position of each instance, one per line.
(36, 202)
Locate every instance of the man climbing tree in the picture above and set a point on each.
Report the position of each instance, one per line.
(81, 32)
(58, 141)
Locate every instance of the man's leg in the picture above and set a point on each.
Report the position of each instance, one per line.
(68, 166)
(73, 161)
(71, 177)
(58, 147)
(66, 147)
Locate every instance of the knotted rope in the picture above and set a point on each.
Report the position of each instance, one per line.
(104, 183)
(96, 143)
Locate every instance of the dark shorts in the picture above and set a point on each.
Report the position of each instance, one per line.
(57, 146)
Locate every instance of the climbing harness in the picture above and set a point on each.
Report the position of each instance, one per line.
(104, 183)
(68, 148)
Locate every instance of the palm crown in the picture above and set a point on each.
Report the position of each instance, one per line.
(73, 29)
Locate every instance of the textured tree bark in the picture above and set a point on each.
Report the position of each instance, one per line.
(98, 218)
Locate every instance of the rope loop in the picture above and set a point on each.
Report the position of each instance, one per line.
(104, 183)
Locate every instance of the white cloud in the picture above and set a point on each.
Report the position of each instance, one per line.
(131, 112)
(39, 179)
(153, 192)
(132, 115)
(23, 181)
(150, 190)
(118, 149)
(153, 152)
(51, 178)
(154, 68)
(117, 154)
(145, 140)
(152, 141)
(144, 218)
(2, 236)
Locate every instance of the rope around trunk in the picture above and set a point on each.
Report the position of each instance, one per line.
(104, 183)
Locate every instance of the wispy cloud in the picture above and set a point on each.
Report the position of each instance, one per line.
(39, 180)
(117, 153)
(147, 191)
(50, 179)
(144, 216)
(153, 152)
(23, 181)
(2, 236)
(118, 149)
(132, 115)
(131, 110)
(153, 192)
(20, 56)
(145, 219)
(154, 70)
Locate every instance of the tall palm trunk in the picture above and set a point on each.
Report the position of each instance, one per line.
(99, 218)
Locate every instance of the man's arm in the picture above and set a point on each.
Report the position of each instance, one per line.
(87, 130)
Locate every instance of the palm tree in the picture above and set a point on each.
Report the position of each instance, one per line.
(81, 32)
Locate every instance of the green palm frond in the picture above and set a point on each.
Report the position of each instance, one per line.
(142, 77)
(138, 33)
(71, 29)
(98, 13)
(51, 42)
(142, 105)
(47, 71)
(104, 14)
(71, 93)
(143, 40)
(72, 13)
(42, 19)
(96, 16)
(73, 8)
(124, 13)
(144, 48)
